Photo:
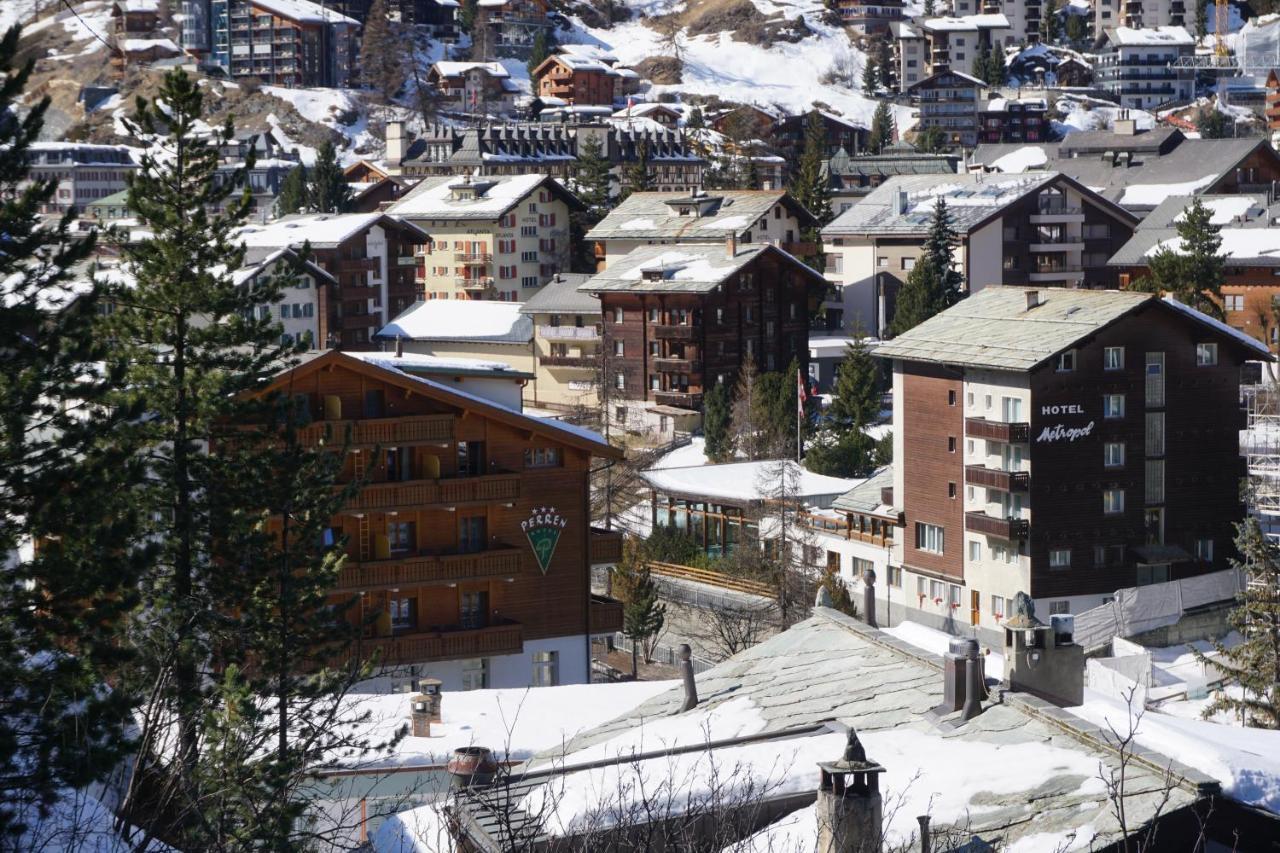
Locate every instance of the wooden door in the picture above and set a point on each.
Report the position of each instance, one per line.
(975, 606)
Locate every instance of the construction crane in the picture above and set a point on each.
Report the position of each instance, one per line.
(1221, 20)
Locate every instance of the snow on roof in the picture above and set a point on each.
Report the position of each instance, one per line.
(747, 481)
(1250, 342)
(1223, 210)
(1150, 36)
(591, 51)
(966, 23)
(1238, 244)
(1016, 162)
(321, 229)
(691, 267)
(435, 198)
(580, 63)
(139, 5)
(419, 362)
(304, 11)
(461, 320)
(139, 45)
(1149, 195)
(455, 69)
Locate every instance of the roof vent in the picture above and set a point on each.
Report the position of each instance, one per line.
(900, 202)
(1033, 299)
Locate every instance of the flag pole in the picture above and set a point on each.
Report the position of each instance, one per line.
(799, 411)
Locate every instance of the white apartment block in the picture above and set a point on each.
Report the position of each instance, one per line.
(84, 173)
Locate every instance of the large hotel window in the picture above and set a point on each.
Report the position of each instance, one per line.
(1113, 358)
(1113, 501)
(929, 537)
(1113, 406)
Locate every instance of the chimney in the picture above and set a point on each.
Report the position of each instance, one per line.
(686, 674)
(395, 144)
(424, 707)
(399, 347)
(1042, 659)
(471, 767)
(900, 202)
(731, 246)
(850, 809)
(869, 597)
(926, 842)
(955, 674)
(1033, 299)
(1125, 126)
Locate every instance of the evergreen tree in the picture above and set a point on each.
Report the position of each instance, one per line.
(920, 298)
(695, 121)
(1202, 19)
(855, 399)
(539, 50)
(1077, 31)
(330, 192)
(643, 615)
(1194, 273)
(294, 193)
(775, 414)
(939, 248)
(809, 186)
(931, 140)
(836, 453)
(716, 416)
(381, 59)
(979, 67)
(1050, 23)
(636, 177)
(65, 528)
(870, 77)
(1253, 666)
(997, 70)
(881, 129)
(930, 7)
(592, 183)
(884, 63)
(468, 11)
(1214, 123)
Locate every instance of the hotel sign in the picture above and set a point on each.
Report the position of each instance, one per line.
(1060, 431)
(542, 529)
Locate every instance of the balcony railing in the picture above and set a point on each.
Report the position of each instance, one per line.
(1055, 208)
(392, 431)
(605, 545)
(357, 264)
(360, 321)
(494, 564)
(472, 257)
(569, 333)
(448, 644)
(604, 615)
(679, 399)
(677, 365)
(581, 361)
(473, 283)
(1005, 528)
(675, 333)
(994, 478)
(451, 490)
(997, 430)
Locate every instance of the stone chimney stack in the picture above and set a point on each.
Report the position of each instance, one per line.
(850, 809)
(731, 246)
(686, 674)
(395, 144)
(869, 597)
(424, 707)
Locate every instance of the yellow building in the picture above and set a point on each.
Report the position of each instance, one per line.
(497, 238)
(566, 344)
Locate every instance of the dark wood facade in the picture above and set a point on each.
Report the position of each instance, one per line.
(933, 434)
(437, 530)
(669, 347)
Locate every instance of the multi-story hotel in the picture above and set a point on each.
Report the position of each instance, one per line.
(284, 42)
(83, 173)
(469, 550)
(1137, 67)
(1063, 443)
(489, 238)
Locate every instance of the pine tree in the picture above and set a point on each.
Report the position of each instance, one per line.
(881, 129)
(643, 615)
(716, 417)
(381, 59)
(930, 6)
(330, 192)
(979, 67)
(538, 51)
(809, 186)
(939, 248)
(468, 11)
(1077, 31)
(63, 472)
(1253, 666)
(884, 63)
(1050, 23)
(855, 399)
(1214, 123)
(919, 299)
(294, 194)
(1194, 272)
(870, 77)
(196, 345)
(997, 70)
(835, 453)
(1202, 19)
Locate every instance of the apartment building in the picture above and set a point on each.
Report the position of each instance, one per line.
(474, 87)
(577, 80)
(290, 43)
(1272, 108)
(489, 238)
(1014, 120)
(857, 534)
(679, 318)
(495, 334)
(1063, 443)
(567, 336)
(370, 255)
(1140, 14)
(83, 173)
(853, 176)
(870, 17)
(910, 54)
(1037, 228)
(664, 218)
(510, 26)
(298, 311)
(1022, 18)
(949, 101)
(838, 133)
(469, 549)
(1137, 67)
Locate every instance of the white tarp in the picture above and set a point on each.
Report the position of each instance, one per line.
(1145, 608)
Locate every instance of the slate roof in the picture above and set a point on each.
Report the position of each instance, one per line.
(892, 160)
(865, 497)
(561, 296)
(688, 268)
(652, 216)
(1249, 239)
(831, 671)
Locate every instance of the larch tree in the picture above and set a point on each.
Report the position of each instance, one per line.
(381, 56)
(69, 539)
(329, 190)
(750, 438)
(1192, 270)
(1252, 668)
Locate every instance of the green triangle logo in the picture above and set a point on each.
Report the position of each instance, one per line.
(542, 529)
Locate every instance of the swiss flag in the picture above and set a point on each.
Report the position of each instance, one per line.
(801, 394)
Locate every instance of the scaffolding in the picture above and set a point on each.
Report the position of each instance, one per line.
(1260, 444)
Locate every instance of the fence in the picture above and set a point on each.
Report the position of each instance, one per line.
(1145, 608)
(662, 654)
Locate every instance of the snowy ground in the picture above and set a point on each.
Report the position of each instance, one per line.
(937, 642)
(1081, 113)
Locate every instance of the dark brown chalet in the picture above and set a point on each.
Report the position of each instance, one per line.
(440, 542)
(1064, 443)
(679, 318)
(371, 255)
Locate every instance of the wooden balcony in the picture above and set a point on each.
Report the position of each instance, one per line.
(605, 545)
(1005, 528)
(604, 615)
(452, 490)
(358, 293)
(994, 478)
(677, 365)
(502, 639)
(679, 399)
(419, 429)
(580, 361)
(675, 333)
(360, 321)
(357, 264)
(497, 563)
(997, 430)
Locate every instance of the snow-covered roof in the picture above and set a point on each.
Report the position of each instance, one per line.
(139, 6)
(1150, 36)
(757, 481)
(412, 362)
(1019, 161)
(689, 267)
(322, 230)
(461, 320)
(561, 296)
(457, 69)
(966, 23)
(487, 198)
(304, 11)
(140, 45)
(681, 217)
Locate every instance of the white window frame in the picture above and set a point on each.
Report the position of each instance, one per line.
(1110, 457)
(930, 538)
(1206, 354)
(1059, 558)
(1113, 358)
(1113, 502)
(1113, 406)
